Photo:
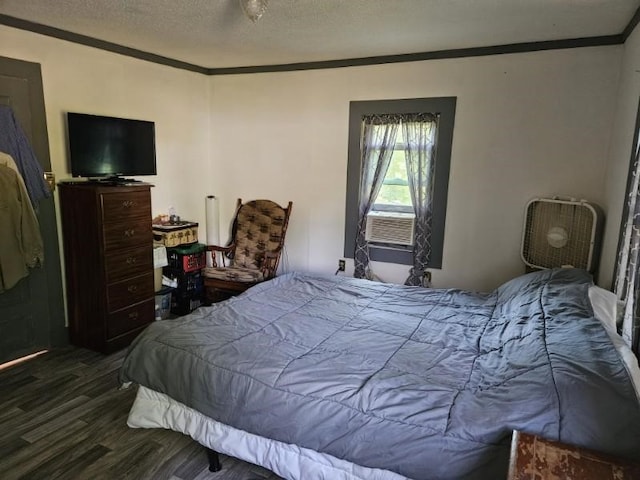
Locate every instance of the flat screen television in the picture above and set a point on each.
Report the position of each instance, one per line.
(110, 148)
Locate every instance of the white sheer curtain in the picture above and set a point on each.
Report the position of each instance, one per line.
(379, 134)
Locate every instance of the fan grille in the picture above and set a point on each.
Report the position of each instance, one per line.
(576, 219)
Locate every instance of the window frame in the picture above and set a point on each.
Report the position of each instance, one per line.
(445, 107)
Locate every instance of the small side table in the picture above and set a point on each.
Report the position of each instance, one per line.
(534, 458)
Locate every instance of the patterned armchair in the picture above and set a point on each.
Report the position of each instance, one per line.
(257, 240)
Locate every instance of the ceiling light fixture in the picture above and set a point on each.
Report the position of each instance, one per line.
(254, 9)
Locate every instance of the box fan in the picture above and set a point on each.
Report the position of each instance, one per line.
(560, 233)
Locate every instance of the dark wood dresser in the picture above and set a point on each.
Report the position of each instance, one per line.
(534, 458)
(108, 249)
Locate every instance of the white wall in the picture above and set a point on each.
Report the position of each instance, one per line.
(620, 153)
(82, 79)
(527, 125)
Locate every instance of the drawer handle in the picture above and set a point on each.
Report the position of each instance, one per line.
(131, 260)
(133, 315)
(128, 204)
(132, 288)
(129, 233)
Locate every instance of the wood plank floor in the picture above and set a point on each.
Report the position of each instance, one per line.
(62, 416)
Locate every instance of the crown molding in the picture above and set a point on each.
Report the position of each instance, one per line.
(97, 43)
(350, 62)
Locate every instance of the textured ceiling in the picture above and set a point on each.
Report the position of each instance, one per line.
(216, 34)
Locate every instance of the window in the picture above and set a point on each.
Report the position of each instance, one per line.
(394, 194)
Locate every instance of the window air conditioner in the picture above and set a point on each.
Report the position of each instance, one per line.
(390, 227)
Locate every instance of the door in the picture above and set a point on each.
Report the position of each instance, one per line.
(32, 312)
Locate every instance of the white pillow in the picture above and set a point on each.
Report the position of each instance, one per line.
(605, 306)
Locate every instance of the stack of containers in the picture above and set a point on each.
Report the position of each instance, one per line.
(185, 268)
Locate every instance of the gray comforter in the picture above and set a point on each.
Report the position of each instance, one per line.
(427, 383)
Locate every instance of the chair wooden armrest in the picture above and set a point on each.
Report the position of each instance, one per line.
(217, 248)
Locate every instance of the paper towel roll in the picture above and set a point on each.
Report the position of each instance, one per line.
(213, 220)
(212, 211)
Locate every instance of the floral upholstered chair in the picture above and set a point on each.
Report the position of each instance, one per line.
(253, 256)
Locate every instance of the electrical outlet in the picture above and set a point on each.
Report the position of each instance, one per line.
(341, 265)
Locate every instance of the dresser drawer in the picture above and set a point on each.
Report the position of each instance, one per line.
(127, 292)
(118, 207)
(128, 263)
(128, 234)
(130, 318)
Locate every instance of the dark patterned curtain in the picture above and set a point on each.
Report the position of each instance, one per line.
(378, 139)
(627, 281)
(419, 134)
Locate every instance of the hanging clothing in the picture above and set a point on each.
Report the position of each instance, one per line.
(8, 161)
(21, 244)
(14, 142)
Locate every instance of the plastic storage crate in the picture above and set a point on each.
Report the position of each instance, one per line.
(187, 282)
(189, 291)
(188, 258)
(163, 303)
(184, 305)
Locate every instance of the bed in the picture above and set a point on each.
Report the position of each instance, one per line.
(328, 377)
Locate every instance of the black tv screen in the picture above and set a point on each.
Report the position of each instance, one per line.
(110, 147)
